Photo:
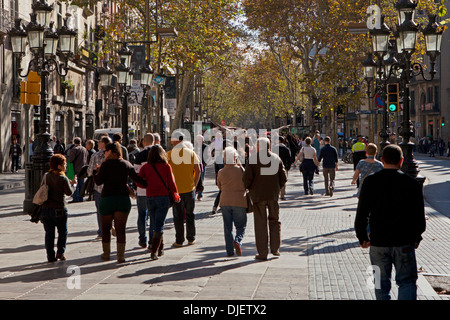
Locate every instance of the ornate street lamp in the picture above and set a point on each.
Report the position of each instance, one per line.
(67, 38)
(35, 33)
(433, 37)
(399, 65)
(43, 12)
(125, 54)
(380, 38)
(408, 32)
(51, 39)
(106, 76)
(18, 38)
(403, 7)
(370, 67)
(123, 72)
(146, 75)
(42, 40)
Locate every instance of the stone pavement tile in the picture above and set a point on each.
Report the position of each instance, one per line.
(159, 293)
(114, 288)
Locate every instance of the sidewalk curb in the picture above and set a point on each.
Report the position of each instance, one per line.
(12, 185)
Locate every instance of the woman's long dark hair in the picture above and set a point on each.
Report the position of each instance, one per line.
(157, 154)
(116, 150)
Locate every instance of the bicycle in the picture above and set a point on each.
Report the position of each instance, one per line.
(348, 157)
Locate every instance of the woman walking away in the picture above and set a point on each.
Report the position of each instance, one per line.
(232, 201)
(308, 166)
(54, 210)
(158, 170)
(115, 204)
(367, 166)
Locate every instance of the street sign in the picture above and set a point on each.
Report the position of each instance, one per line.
(364, 112)
(158, 80)
(378, 101)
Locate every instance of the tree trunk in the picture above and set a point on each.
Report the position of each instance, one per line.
(181, 104)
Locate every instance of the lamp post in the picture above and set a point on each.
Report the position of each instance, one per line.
(399, 67)
(125, 81)
(44, 43)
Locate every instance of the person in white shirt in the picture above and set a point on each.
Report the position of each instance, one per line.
(309, 165)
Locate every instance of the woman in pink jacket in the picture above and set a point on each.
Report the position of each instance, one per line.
(159, 172)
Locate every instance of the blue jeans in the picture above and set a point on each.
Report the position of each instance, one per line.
(185, 206)
(54, 218)
(157, 209)
(238, 216)
(202, 177)
(308, 181)
(404, 260)
(141, 203)
(76, 193)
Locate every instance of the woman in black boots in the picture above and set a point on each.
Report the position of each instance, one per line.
(115, 204)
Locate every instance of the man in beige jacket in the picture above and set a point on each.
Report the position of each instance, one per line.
(264, 177)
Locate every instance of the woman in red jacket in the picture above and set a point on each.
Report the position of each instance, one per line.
(159, 172)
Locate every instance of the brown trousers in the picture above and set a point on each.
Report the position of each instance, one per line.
(267, 225)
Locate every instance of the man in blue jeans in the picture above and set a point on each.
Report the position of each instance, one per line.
(186, 171)
(391, 203)
(141, 200)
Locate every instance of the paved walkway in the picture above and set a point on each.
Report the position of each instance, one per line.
(320, 255)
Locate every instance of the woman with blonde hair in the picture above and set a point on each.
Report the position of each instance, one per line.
(308, 165)
(115, 204)
(233, 201)
(368, 166)
(54, 210)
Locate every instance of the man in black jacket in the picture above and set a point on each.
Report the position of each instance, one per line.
(285, 155)
(390, 219)
(330, 165)
(78, 155)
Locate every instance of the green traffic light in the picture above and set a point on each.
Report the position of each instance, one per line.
(392, 108)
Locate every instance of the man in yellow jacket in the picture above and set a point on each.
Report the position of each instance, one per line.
(186, 170)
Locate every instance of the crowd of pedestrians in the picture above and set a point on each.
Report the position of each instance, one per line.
(247, 183)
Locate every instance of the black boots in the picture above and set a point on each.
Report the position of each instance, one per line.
(157, 245)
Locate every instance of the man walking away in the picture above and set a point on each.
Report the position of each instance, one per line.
(330, 165)
(78, 155)
(285, 156)
(390, 227)
(186, 170)
(264, 179)
(141, 199)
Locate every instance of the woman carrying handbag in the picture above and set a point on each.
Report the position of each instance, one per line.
(54, 210)
(160, 194)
